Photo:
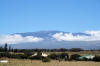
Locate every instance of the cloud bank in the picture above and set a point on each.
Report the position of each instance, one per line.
(94, 36)
(16, 39)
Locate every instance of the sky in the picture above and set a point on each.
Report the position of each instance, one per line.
(18, 16)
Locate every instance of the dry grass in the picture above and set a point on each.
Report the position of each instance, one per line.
(80, 53)
(15, 62)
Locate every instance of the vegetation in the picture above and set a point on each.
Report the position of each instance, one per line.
(96, 58)
(75, 57)
(54, 54)
(46, 59)
(7, 48)
(75, 49)
(37, 57)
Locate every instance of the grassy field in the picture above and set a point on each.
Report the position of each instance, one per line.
(16, 62)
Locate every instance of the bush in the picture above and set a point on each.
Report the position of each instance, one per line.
(62, 55)
(74, 57)
(22, 56)
(37, 57)
(46, 59)
(59, 56)
(5, 54)
(53, 56)
(84, 59)
(28, 54)
(96, 58)
(76, 49)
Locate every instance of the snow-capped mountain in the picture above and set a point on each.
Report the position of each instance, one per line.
(55, 39)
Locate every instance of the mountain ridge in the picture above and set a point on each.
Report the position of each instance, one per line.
(50, 42)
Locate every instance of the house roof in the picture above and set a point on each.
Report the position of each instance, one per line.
(87, 56)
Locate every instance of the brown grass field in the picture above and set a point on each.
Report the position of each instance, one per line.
(80, 53)
(16, 62)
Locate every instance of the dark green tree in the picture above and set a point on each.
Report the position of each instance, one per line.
(5, 47)
(9, 48)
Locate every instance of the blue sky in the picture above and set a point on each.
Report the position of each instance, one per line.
(37, 15)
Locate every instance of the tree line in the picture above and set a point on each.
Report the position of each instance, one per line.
(7, 48)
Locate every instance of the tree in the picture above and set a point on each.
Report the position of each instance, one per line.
(5, 47)
(76, 49)
(54, 56)
(1, 49)
(75, 57)
(46, 59)
(9, 48)
(63, 55)
(96, 58)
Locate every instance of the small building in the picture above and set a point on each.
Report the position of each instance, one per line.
(3, 61)
(35, 54)
(42, 54)
(87, 56)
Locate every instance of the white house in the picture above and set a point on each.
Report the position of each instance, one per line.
(35, 54)
(44, 55)
(87, 56)
(4, 61)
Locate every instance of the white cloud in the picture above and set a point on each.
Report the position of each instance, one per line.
(15, 39)
(94, 36)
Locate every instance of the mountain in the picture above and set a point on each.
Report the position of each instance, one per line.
(44, 34)
(49, 42)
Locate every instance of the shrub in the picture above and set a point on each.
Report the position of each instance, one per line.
(53, 56)
(14, 56)
(96, 58)
(76, 49)
(46, 59)
(58, 56)
(74, 57)
(62, 55)
(5, 54)
(28, 54)
(84, 59)
(37, 57)
(22, 56)
(18, 56)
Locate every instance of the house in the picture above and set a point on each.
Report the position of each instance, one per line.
(4, 61)
(35, 54)
(42, 54)
(87, 56)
